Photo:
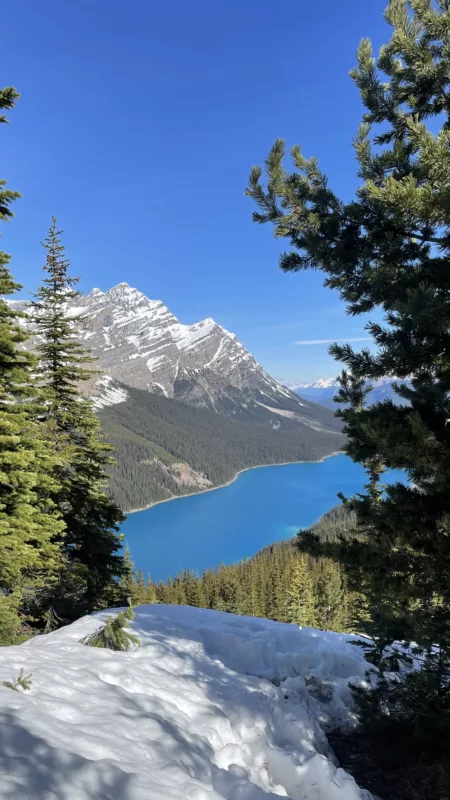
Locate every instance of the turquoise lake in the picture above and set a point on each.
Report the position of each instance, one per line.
(261, 506)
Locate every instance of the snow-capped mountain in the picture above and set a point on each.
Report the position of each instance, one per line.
(323, 390)
(321, 383)
(140, 343)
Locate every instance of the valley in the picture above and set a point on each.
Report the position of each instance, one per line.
(186, 407)
(260, 507)
(153, 435)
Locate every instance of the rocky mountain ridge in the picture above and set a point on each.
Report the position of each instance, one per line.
(139, 343)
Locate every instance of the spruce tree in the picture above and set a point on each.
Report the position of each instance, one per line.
(194, 590)
(126, 585)
(92, 520)
(29, 523)
(331, 612)
(140, 589)
(389, 248)
(150, 595)
(299, 601)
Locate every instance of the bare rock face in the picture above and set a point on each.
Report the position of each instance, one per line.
(185, 476)
(139, 343)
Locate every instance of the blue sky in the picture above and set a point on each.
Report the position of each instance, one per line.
(137, 126)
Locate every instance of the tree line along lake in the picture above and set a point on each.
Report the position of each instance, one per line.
(227, 524)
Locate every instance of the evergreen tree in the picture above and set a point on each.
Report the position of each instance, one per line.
(92, 520)
(331, 612)
(150, 596)
(194, 590)
(274, 597)
(179, 591)
(230, 590)
(113, 635)
(169, 594)
(140, 590)
(389, 248)
(299, 602)
(29, 523)
(126, 585)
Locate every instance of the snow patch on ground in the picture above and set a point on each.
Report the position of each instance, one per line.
(211, 707)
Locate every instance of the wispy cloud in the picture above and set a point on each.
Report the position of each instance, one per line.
(331, 341)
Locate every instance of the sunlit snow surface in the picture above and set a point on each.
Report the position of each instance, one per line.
(210, 706)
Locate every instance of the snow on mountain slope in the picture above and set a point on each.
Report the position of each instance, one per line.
(108, 393)
(210, 707)
(321, 383)
(141, 344)
(323, 391)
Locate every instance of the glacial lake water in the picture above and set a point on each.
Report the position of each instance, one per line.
(261, 506)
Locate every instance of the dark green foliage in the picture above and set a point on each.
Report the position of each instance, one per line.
(389, 249)
(150, 433)
(299, 594)
(125, 586)
(91, 541)
(112, 635)
(29, 522)
(339, 522)
(10, 622)
(22, 681)
(393, 767)
(278, 583)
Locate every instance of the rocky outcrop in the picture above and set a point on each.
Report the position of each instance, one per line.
(141, 344)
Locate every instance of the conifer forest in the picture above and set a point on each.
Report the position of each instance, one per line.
(377, 564)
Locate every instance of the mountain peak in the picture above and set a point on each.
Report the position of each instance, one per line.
(140, 344)
(122, 288)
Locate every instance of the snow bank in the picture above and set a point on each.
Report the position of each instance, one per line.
(210, 706)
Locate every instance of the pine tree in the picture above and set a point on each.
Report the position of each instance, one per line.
(194, 590)
(299, 601)
(126, 585)
(112, 635)
(29, 523)
(329, 593)
(389, 249)
(274, 597)
(92, 520)
(230, 591)
(169, 594)
(140, 590)
(150, 595)
(179, 591)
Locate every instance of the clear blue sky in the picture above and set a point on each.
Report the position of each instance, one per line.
(137, 126)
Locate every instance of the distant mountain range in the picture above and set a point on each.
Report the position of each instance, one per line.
(323, 390)
(144, 353)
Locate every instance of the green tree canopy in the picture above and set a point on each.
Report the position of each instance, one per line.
(91, 540)
(389, 248)
(29, 556)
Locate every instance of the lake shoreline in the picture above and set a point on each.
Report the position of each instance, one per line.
(228, 483)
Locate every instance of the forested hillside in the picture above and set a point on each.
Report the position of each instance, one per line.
(280, 582)
(151, 434)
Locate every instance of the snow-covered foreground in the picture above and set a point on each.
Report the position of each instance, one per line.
(210, 706)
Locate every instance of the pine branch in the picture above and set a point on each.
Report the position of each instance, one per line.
(22, 682)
